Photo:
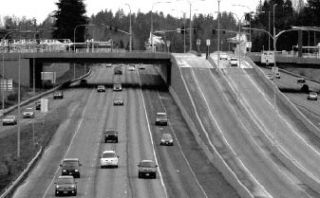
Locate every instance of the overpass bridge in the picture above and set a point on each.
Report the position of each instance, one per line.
(36, 61)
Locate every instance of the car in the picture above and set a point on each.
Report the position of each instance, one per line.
(161, 119)
(28, 113)
(9, 120)
(117, 71)
(101, 88)
(58, 95)
(65, 185)
(166, 139)
(111, 135)
(301, 80)
(38, 105)
(269, 76)
(118, 101)
(223, 56)
(131, 68)
(108, 65)
(109, 158)
(313, 96)
(234, 62)
(117, 87)
(71, 166)
(277, 75)
(147, 168)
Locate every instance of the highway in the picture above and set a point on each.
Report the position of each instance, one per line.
(231, 125)
(183, 169)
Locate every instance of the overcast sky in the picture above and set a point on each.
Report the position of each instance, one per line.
(40, 9)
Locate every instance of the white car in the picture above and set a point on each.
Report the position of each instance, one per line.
(234, 62)
(131, 68)
(223, 56)
(101, 88)
(313, 96)
(109, 158)
(117, 87)
(28, 113)
(9, 120)
(161, 118)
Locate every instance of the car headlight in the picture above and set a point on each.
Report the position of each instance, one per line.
(170, 141)
(76, 170)
(64, 170)
(57, 186)
(162, 140)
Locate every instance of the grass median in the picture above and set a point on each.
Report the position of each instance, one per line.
(44, 129)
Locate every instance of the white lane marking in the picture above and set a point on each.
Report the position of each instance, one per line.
(152, 142)
(224, 138)
(244, 126)
(284, 119)
(182, 153)
(273, 140)
(205, 131)
(68, 149)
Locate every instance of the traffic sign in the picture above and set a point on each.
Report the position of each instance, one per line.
(208, 42)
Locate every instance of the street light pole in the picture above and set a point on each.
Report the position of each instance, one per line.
(219, 32)
(130, 29)
(151, 20)
(190, 31)
(274, 35)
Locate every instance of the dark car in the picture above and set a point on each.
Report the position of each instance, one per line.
(166, 139)
(65, 185)
(71, 166)
(111, 136)
(117, 71)
(38, 105)
(147, 168)
(58, 95)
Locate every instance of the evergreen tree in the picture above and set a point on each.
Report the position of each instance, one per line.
(70, 13)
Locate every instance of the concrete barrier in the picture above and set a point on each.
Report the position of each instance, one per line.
(182, 98)
(12, 108)
(291, 111)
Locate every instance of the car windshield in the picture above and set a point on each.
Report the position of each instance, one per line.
(10, 117)
(65, 181)
(166, 136)
(108, 155)
(147, 164)
(70, 163)
(111, 133)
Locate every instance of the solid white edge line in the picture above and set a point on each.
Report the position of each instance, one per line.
(181, 151)
(225, 140)
(73, 137)
(152, 142)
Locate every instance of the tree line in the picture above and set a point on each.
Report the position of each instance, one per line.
(107, 24)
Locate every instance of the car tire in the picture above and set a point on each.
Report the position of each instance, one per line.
(56, 194)
(139, 175)
(116, 141)
(154, 176)
(75, 193)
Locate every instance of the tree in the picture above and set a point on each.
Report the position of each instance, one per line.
(70, 14)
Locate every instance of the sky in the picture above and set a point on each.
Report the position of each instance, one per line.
(40, 9)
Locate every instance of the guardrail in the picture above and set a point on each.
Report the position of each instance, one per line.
(31, 164)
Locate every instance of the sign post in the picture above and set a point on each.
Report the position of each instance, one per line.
(208, 45)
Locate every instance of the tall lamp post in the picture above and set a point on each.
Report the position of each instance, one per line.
(274, 34)
(190, 24)
(130, 29)
(151, 20)
(219, 32)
